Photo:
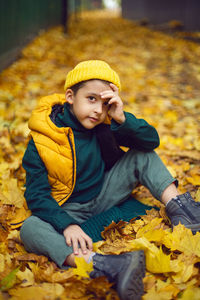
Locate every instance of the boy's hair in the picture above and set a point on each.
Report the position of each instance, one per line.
(91, 69)
(79, 85)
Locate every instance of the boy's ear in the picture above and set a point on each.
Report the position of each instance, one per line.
(69, 96)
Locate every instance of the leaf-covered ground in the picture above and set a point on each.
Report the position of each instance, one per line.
(160, 77)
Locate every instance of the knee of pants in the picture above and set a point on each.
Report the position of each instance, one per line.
(29, 228)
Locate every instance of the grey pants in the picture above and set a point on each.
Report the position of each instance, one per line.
(134, 167)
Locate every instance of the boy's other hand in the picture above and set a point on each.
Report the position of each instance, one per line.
(75, 236)
(116, 105)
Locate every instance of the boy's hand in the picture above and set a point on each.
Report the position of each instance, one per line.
(74, 236)
(116, 105)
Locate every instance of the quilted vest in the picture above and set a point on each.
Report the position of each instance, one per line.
(56, 148)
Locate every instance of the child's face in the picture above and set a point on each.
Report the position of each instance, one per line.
(87, 105)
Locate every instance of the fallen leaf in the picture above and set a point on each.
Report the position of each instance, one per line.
(26, 277)
(83, 268)
(9, 281)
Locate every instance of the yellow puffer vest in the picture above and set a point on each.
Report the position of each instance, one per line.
(56, 148)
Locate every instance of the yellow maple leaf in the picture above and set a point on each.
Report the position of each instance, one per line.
(158, 262)
(151, 231)
(4, 166)
(97, 246)
(162, 290)
(40, 292)
(16, 217)
(180, 239)
(172, 171)
(191, 293)
(185, 273)
(28, 293)
(53, 289)
(49, 274)
(13, 234)
(172, 239)
(26, 277)
(83, 268)
(183, 240)
(190, 244)
(5, 259)
(154, 294)
(2, 263)
(11, 194)
(137, 225)
(197, 195)
(197, 144)
(195, 179)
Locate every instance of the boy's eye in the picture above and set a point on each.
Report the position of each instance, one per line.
(91, 98)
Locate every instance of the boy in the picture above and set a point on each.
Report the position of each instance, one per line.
(78, 179)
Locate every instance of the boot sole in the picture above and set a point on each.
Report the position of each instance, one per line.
(130, 286)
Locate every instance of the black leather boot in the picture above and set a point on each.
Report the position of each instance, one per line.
(183, 209)
(126, 271)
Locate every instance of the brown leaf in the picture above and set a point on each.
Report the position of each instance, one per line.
(40, 259)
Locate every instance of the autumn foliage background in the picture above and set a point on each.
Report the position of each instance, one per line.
(160, 75)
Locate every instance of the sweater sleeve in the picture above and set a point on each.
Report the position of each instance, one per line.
(135, 133)
(38, 192)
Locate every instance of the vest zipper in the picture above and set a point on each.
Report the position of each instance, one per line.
(72, 149)
(73, 169)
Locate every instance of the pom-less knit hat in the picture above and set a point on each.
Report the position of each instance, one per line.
(91, 69)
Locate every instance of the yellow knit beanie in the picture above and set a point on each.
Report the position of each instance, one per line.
(91, 69)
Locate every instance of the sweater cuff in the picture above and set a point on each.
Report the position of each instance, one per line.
(61, 226)
(61, 223)
(115, 126)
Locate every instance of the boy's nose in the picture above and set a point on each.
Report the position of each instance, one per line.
(98, 108)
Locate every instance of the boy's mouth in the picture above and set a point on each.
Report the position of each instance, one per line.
(93, 119)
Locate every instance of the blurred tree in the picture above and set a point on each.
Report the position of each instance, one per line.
(64, 14)
(112, 4)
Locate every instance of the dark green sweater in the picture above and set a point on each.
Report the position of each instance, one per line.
(89, 165)
(133, 133)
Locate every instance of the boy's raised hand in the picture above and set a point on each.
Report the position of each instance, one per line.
(116, 105)
(75, 236)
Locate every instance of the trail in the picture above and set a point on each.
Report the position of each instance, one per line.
(160, 76)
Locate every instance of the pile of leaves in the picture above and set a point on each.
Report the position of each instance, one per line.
(160, 77)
